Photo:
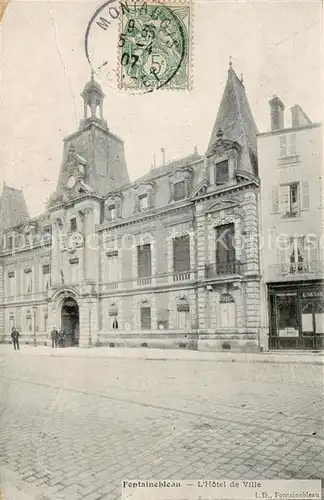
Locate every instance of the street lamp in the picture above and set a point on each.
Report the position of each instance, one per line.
(90, 311)
(34, 308)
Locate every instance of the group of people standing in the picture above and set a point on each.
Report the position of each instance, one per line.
(58, 337)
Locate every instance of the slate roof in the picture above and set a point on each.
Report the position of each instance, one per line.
(235, 119)
(168, 167)
(13, 208)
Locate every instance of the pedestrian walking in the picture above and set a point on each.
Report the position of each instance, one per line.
(54, 335)
(15, 338)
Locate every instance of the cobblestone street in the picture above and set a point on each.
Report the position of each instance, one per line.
(74, 427)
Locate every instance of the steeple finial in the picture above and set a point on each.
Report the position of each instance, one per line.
(230, 62)
(92, 75)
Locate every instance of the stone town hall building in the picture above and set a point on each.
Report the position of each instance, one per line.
(170, 259)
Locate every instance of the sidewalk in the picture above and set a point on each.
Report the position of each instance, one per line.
(292, 357)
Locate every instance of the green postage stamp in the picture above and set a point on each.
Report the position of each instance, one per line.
(154, 46)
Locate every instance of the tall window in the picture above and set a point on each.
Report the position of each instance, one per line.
(144, 261)
(225, 249)
(11, 282)
(46, 276)
(143, 202)
(179, 191)
(10, 243)
(297, 255)
(28, 281)
(181, 254)
(145, 316)
(73, 224)
(112, 266)
(74, 270)
(221, 172)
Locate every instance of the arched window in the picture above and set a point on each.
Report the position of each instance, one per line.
(113, 316)
(183, 311)
(227, 311)
(145, 315)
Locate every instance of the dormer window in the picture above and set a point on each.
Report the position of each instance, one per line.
(179, 191)
(111, 212)
(180, 183)
(73, 225)
(221, 172)
(143, 202)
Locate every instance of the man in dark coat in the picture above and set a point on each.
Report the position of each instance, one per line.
(15, 338)
(54, 335)
(61, 338)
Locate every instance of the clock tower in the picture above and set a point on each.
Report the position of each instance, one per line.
(93, 157)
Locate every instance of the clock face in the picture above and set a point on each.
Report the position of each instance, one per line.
(71, 182)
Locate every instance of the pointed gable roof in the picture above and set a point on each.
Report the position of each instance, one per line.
(13, 208)
(236, 121)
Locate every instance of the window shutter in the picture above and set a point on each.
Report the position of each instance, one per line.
(312, 254)
(181, 254)
(274, 197)
(284, 199)
(305, 195)
(292, 144)
(284, 255)
(144, 268)
(282, 146)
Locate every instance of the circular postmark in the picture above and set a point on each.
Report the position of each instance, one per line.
(138, 48)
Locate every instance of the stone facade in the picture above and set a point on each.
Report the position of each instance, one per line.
(104, 256)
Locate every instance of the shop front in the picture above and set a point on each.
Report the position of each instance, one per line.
(296, 315)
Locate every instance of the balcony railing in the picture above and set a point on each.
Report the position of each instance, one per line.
(222, 269)
(297, 268)
(181, 276)
(144, 281)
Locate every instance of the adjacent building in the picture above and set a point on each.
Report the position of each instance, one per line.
(170, 259)
(291, 227)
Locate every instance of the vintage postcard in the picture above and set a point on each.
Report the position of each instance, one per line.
(161, 250)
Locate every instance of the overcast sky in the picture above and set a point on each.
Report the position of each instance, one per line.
(276, 45)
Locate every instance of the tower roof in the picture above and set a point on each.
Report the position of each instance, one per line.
(235, 120)
(92, 85)
(13, 208)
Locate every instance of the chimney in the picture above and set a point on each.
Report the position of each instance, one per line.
(163, 156)
(299, 117)
(277, 108)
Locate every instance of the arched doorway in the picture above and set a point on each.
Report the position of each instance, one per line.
(70, 321)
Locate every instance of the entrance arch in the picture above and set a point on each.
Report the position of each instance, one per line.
(70, 321)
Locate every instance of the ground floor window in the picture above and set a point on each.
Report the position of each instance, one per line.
(145, 316)
(183, 311)
(227, 312)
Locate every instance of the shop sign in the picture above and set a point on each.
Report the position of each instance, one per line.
(313, 294)
(288, 332)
